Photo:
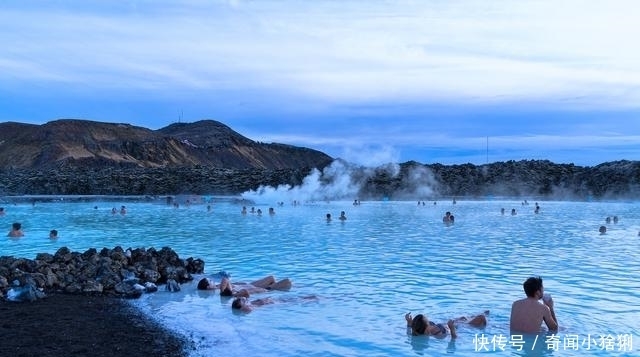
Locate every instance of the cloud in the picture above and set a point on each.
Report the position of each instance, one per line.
(343, 53)
(371, 82)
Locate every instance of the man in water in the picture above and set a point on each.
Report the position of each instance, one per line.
(16, 230)
(447, 218)
(527, 314)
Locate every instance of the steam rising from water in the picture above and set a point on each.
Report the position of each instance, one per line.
(335, 182)
(345, 181)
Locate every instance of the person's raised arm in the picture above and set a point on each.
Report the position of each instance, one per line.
(550, 315)
(409, 319)
(452, 329)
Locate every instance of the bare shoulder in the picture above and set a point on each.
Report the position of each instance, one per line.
(519, 302)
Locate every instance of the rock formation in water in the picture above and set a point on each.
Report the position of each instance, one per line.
(113, 272)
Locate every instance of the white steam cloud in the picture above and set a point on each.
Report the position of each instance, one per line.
(344, 181)
(335, 182)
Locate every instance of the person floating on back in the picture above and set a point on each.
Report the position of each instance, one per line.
(421, 325)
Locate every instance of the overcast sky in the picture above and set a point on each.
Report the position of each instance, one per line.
(371, 81)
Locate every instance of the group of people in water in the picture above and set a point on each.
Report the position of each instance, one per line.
(241, 292)
(343, 216)
(527, 315)
(258, 212)
(16, 231)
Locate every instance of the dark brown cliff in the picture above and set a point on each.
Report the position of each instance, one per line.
(215, 144)
(89, 144)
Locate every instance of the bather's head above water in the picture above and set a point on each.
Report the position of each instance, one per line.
(419, 325)
(206, 284)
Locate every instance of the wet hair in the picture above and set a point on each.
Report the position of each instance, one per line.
(418, 325)
(532, 285)
(54, 232)
(203, 284)
(17, 226)
(237, 303)
(226, 292)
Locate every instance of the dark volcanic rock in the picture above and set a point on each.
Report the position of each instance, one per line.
(527, 178)
(113, 272)
(141, 181)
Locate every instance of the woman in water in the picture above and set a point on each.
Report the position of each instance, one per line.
(420, 325)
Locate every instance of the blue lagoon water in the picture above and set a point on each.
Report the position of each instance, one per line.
(388, 258)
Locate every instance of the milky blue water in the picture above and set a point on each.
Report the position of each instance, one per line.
(386, 259)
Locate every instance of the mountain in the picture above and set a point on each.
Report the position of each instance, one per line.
(218, 145)
(91, 144)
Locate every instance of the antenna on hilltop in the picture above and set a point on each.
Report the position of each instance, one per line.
(180, 117)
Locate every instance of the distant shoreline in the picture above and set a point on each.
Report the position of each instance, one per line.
(204, 199)
(532, 180)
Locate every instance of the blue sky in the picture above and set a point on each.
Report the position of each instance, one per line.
(368, 81)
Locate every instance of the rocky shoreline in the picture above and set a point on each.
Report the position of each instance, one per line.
(110, 272)
(72, 325)
(541, 179)
(76, 303)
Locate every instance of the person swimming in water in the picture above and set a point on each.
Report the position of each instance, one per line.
(421, 325)
(243, 304)
(603, 230)
(244, 289)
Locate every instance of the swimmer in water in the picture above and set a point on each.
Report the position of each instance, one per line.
(420, 325)
(603, 230)
(16, 231)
